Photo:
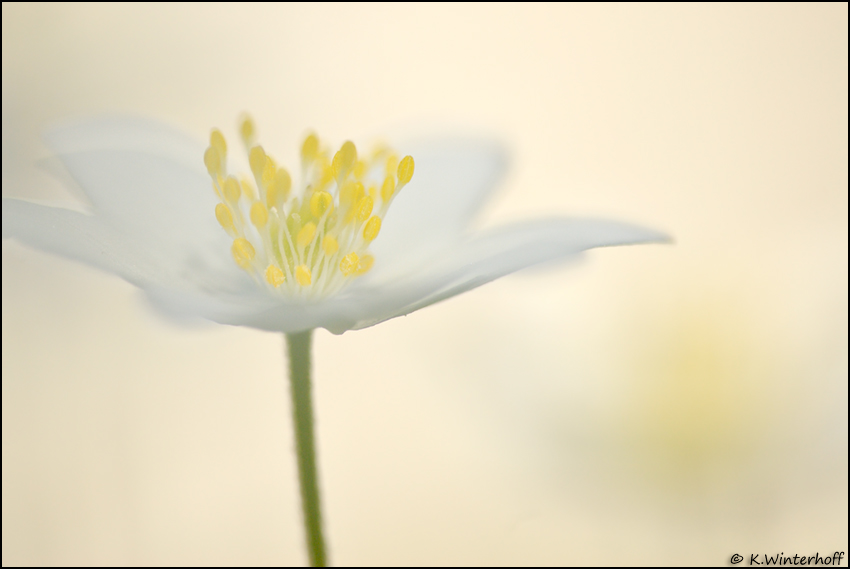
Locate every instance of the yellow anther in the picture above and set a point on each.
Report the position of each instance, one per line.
(217, 141)
(310, 148)
(278, 189)
(302, 275)
(247, 188)
(366, 262)
(274, 276)
(388, 188)
(330, 245)
(305, 236)
(232, 191)
(212, 160)
(359, 169)
(319, 203)
(257, 160)
(351, 192)
(364, 208)
(224, 217)
(269, 171)
(246, 130)
(372, 228)
(344, 160)
(392, 165)
(259, 215)
(325, 177)
(349, 263)
(243, 252)
(405, 170)
(373, 192)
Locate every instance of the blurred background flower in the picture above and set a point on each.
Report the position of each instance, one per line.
(655, 405)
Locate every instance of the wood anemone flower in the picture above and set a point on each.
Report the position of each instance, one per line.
(259, 250)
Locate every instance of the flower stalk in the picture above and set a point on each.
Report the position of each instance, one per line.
(298, 346)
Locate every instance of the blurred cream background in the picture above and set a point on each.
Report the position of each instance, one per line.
(655, 404)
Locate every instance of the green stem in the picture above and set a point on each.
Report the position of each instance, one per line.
(302, 415)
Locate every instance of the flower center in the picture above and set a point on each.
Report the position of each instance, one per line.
(313, 241)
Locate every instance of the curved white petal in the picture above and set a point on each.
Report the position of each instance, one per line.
(135, 134)
(502, 251)
(81, 237)
(451, 181)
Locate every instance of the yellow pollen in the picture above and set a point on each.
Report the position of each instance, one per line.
(247, 130)
(351, 192)
(295, 237)
(232, 191)
(364, 208)
(217, 142)
(320, 203)
(388, 188)
(212, 160)
(330, 245)
(259, 215)
(372, 228)
(274, 276)
(310, 148)
(349, 264)
(278, 190)
(243, 252)
(257, 160)
(224, 217)
(344, 160)
(392, 165)
(305, 236)
(365, 264)
(405, 170)
(247, 188)
(302, 275)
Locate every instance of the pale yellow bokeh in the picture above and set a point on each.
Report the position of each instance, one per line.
(655, 404)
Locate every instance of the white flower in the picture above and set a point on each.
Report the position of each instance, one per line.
(154, 222)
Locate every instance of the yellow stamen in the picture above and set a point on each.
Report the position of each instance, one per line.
(243, 252)
(349, 263)
(365, 264)
(274, 276)
(388, 188)
(217, 142)
(364, 208)
(405, 170)
(344, 160)
(278, 190)
(392, 165)
(247, 130)
(372, 228)
(320, 203)
(330, 245)
(310, 148)
(295, 243)
(257, 160)
(224, 217)
(303, 276)
(212, 160)
(259, 215)
(231, 189)
(305, 236)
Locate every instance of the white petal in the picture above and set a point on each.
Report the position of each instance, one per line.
(80, 237)
(152, 203)
(166, 206)
(502, 251)
(134, 134)
(451, 181)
